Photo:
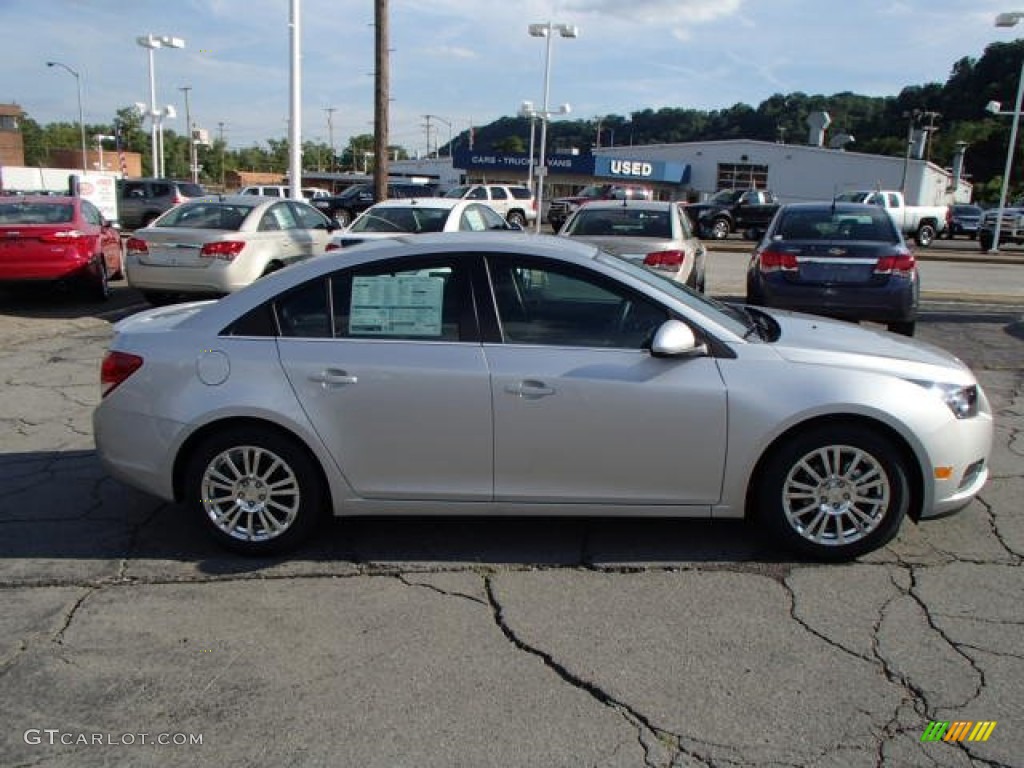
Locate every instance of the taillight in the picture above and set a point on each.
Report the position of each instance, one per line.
(665, 259)
(222, 249)
(115, 369)
(179, 199)
(900, 263)
(332, 247)
(775, 261)
(64, 236)
(136, 245)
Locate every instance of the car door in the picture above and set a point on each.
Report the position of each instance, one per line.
(313, 233)
(108, 238)
(386, 362)
(582, 412)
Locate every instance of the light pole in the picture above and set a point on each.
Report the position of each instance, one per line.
(547, 30)
(81, 114)
(151, 43)
(440, 120)
(526, 109)
(100, 138)
(1007, 20)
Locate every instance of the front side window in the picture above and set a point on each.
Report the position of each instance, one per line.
(480, 218)
(424, 300)
(308, 217)
(278, 216)
(498, 193)
(553, 305)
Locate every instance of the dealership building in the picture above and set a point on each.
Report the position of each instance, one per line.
(695, 170)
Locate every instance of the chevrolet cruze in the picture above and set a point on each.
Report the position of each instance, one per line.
(485, 374)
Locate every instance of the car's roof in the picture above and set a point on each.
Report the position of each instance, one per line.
(829, 205)
(646, 205)
(421, 202)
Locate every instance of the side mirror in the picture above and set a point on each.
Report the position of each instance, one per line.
(675, 339)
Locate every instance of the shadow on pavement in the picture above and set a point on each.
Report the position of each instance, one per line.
(57, 506)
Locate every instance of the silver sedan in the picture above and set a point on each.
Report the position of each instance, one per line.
(657, 234)
(498, 374)
(218, 245)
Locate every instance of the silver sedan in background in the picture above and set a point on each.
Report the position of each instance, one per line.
(218, 245)
(495, 373)
(657, 234)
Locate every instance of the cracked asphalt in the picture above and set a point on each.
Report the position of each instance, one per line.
(454, 642)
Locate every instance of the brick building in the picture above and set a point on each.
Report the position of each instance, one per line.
(12, 147)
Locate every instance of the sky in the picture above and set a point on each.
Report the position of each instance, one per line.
(469, 62)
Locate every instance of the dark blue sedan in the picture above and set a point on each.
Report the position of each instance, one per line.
(843, 260)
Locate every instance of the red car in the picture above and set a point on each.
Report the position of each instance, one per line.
(60, 240)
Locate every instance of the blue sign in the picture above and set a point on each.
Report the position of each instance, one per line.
(472, 160)
(578, 165)
(641, 170)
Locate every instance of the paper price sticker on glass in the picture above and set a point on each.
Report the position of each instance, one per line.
(396, 305)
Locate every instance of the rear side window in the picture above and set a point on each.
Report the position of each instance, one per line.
(191, 190)
(498, 193)
(520, 193)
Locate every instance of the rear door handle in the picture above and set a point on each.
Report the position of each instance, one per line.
(529, 389)
(333, 378)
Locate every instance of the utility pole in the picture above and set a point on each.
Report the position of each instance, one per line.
(330, 133)
(428, 134)
(381, 92)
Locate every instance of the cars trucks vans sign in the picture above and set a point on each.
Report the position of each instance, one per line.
(598, 166)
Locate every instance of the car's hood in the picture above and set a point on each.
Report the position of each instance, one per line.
(819, 340)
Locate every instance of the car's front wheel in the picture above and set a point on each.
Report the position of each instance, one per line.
(257, 490)
(343, 218)
(833, 492)
(719, 229)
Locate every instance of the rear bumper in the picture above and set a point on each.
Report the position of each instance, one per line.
(218, 277)
(895, 301)
(48, 270)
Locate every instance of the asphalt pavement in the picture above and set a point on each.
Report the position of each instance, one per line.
(128, 639)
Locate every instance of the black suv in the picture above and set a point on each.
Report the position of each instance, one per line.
(354, 200)
(139, 201)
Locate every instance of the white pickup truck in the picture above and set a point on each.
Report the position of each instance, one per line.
(923, 222)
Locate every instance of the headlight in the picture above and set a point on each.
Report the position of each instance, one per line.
(962, 401)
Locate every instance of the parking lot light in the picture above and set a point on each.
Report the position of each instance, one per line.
(547, 30)
(81, 115)
(1007, 20)
(151, 43)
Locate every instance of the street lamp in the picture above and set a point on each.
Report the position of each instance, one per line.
(547, 30)
(100, 138)
(151, 43)
(527, 109)
(81, 117)
(1007, 20)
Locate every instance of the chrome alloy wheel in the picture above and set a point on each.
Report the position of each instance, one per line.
(836, 495)
(250, 493)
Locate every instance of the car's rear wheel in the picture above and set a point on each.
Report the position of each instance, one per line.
(903, 327)
(257, 490)
(925, 235)
(516, 219)
(99, 284)
(158, 298)
(342, 217)
(719, 229)
(833, 492)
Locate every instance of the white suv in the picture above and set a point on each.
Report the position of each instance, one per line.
(513, 201)
(281, 190)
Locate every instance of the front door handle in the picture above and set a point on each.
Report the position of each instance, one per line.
(333, 378)
(530, 389)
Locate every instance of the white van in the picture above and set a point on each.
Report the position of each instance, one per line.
(282, 190)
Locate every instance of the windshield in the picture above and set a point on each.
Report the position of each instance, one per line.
(593, 191)
(226, 216)
(457, 192)
(36, 213)
(853, 197)
(401, 219)
(726, 315)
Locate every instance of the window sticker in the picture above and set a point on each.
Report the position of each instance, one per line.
(400, 305)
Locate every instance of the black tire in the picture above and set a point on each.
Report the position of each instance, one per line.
(985, 241)
(158, 298)
(98, 286)
(719, 229)
(257, 491)
(516, 219)
(903, 327)
(844, 494)
(925, 235)
(342, 217)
